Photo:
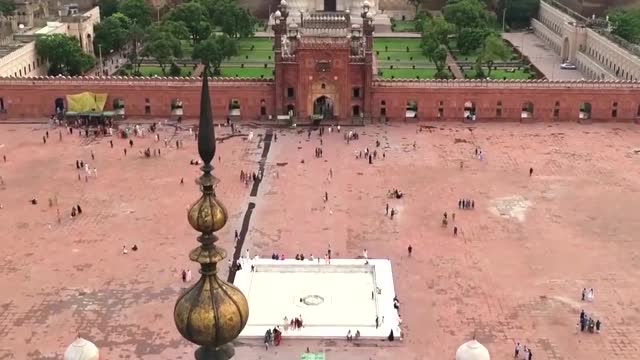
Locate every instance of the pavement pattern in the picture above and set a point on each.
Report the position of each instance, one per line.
(513, 274)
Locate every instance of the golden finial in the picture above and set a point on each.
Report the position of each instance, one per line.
(212, 312)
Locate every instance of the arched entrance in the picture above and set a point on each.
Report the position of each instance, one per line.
(323, 107)
(527, 111)
(585, 111)
(469, 111)
(59, 105)
(263, 108)
(564, 54)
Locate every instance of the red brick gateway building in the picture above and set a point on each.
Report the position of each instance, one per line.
(325, 68)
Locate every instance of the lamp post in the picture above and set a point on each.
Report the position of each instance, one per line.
(504, 14)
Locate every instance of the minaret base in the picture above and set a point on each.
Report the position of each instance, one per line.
(224, 352)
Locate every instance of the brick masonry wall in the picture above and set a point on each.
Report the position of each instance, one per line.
(35, 98)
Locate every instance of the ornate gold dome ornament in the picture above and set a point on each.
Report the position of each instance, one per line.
(213, 312)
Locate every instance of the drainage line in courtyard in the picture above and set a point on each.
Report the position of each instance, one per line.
(243, 232)
(247, 215)
(265, 151)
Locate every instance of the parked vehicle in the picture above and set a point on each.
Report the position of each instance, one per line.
(568, 66)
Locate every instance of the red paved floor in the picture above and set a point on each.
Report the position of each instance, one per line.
(503, 278)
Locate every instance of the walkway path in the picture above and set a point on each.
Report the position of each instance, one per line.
(198, 70)
(453, 66)
(541, 56)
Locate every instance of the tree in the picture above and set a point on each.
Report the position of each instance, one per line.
(470, 39)
(232, 19)
(435, 38)
(518, 12)
(467, 14)
(195, 17)
(626, 24)
(138, 11)
(64, 55)
(437, 29)
(112, 33)
(214, 50)
(108, 7)
(7, 7)
(163, 47)
(136, 36)
(237, 22)
(493, 49)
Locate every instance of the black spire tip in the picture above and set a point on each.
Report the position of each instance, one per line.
(206, 133)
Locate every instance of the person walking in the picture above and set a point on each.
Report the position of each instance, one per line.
(410, 250)
(530, 172)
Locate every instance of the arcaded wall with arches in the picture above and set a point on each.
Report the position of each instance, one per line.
(250, 100)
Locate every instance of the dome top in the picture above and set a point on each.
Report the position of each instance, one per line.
(366, 3)
(277, 14)
(81, 349)
(472, 350)
(283, 2)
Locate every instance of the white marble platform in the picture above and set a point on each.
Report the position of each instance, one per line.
(331, 298)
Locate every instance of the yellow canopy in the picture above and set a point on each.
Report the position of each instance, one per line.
(86, 101)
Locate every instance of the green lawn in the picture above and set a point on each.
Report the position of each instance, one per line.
(152, 70)
(408, 73)
(391, 50)
(247, 72)
(396, 44)
(262, 49)
(502, 75)
(403, 26)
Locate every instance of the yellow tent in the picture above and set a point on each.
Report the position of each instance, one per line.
(86, 102)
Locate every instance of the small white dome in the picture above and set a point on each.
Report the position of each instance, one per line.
(369, 15)
(277, 14)
(283, 3)
(366, 3)
(82, 349)
(472, 350)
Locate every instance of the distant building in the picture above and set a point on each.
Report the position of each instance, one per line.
(18, 57)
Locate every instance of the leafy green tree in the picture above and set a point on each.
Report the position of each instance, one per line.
(64, 55)
(438, 30)
(626, 24)
(470, 39)
(467, 14)
(139, 11)
(238, 22)
(137, 37)
(195, 18)
(7, 7)
(108, 7)
(493, 49)
(214, 50)
(112, 33)
(518, 12)
(435, 38)
(228, 16)
(178, 29)
(163, 47)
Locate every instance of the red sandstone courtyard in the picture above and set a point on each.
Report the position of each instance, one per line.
(513, 274)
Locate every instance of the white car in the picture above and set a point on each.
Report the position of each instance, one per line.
(568, 66)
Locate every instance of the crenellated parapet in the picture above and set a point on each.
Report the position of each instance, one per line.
(506, 84)
(137, 81)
